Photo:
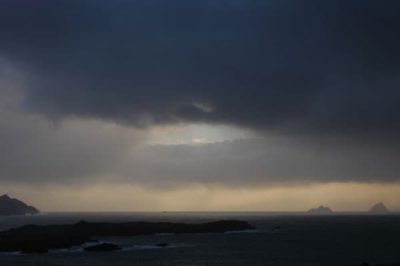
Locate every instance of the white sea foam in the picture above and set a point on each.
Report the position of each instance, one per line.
(252, 231)
(150, 247)
(81, 248)
(14, 253)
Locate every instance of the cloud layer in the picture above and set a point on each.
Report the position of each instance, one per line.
(85, 85)
(316, 67)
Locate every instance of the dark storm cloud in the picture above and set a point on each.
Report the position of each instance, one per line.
(82, 151)
(309, 66)
(36, 151)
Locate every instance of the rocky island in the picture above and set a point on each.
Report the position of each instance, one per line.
(379, 208)
(39, 239)
(321, 210)
(10, 206)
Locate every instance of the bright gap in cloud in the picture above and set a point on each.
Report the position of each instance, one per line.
(196, 134)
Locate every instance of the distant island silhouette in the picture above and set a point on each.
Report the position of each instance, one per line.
(10, 206)
(320, 210)
(379, 208)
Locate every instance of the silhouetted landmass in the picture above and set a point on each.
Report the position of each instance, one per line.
(10, 206)
(320, 210)
(379, 208)
(102, 247)
(35, 238)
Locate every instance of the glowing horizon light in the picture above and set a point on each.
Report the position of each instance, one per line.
(196, 134)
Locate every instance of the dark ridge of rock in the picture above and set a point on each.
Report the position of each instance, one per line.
(32, 250)
(35, 238)
(10, 206)
(379, 208)
(320, 210)
(102, 247)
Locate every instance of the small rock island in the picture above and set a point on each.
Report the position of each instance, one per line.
(321, 210)
(379, 208)
(39, 239)
(10, 206)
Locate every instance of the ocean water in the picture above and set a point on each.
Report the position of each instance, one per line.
(346, 239)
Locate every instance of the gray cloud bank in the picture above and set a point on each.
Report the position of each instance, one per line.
(77, 151)
(328, 67)
(326, 73)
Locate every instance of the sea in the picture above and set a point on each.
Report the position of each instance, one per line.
(280, 239)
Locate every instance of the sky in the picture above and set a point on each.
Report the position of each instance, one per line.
(235, 105)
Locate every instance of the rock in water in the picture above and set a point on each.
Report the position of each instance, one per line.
(320, 210)
(10, 206)
(379, 208)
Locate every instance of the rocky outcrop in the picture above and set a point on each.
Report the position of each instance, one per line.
(35, 238)
(10, 206)
(320, 210)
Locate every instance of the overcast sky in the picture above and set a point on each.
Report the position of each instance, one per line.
(221, 105)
